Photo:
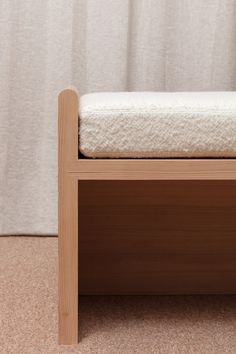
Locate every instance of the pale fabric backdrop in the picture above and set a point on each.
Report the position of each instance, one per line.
(95, 45)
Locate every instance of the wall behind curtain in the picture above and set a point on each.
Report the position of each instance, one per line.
(95, 45)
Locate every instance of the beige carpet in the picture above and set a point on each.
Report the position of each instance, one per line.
(108, 325)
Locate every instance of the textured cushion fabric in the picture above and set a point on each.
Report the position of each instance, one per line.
(158, 124)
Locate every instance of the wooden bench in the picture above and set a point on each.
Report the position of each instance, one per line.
(74, 168)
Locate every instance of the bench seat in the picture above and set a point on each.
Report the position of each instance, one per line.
(158, 125)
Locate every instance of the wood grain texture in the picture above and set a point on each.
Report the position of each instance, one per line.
(157, 237)
(158, 169)
(68, 220)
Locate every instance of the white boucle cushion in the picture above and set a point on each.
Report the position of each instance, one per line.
(158, 124)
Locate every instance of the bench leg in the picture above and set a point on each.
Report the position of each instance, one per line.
(68, 260)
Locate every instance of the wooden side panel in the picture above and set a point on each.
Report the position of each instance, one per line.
(68, 219)
(157, 237)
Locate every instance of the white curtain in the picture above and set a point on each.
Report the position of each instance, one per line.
(95, 45)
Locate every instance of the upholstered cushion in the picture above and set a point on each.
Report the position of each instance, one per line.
(155, 124)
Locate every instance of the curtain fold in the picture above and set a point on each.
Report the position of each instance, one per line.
(95, 45)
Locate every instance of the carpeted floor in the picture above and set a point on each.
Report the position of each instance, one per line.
(108, 325)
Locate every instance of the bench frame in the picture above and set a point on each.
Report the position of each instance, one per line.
(72, 169)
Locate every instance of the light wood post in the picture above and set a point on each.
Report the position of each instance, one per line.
(68, 218)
